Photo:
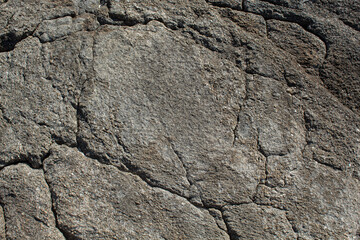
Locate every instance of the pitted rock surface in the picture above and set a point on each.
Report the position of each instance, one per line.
(218, 119)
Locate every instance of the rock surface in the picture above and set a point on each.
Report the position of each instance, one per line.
(218, 119)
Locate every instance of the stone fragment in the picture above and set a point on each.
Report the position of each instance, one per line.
(97, 201)
(26, 200)
(19, 19)
(308, 49)
(50, 30)
(250, 221)
(171, 116)
(32, 109)
(340, 70)
(250, 22)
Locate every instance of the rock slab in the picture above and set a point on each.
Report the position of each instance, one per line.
(217, 119)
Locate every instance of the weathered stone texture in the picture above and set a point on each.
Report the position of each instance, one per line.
(27, 204)
(119, 205)
(218, 119)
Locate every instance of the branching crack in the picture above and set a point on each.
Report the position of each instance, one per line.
(133, 170)
(10, 39)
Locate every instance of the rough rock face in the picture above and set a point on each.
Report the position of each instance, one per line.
(218, 119)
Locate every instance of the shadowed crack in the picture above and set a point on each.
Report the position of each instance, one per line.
(9, 40)
(130, 167)
(27, 159)
(67, 235)
(4, 218)
(226, 5)
(292, 224)
(232, 234)
(134, 170)
(351, 25)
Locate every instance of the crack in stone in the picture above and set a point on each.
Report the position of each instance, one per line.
(9, 40)
(234, 131)
(122, 20)
(230, 232)
(25, 158)
(40, 221)
(178, 155)
(66, 234)
(225, 5)
(133, 169)
(304, 23)
(130, 170)
(352, 26)
(2, 206)
(266, 171)
(309, 125)
(293, 227)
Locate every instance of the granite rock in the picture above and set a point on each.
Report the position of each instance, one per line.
(27, 204)
(218, 119)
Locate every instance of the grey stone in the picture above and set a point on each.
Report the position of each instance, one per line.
(341, 40)
(309, 50)
(2, 224)
(27, 204)
(171, 130)
(250, 22)
(250, 221)
(50, 30)
(119, 205)
(200, 119)
(233, 4)
(32, 109)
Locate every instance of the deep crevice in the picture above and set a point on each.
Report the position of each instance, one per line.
(28, 159)
(226, 5)
(9, 40)
(231, 233)
(67, 235)
(293, 226)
